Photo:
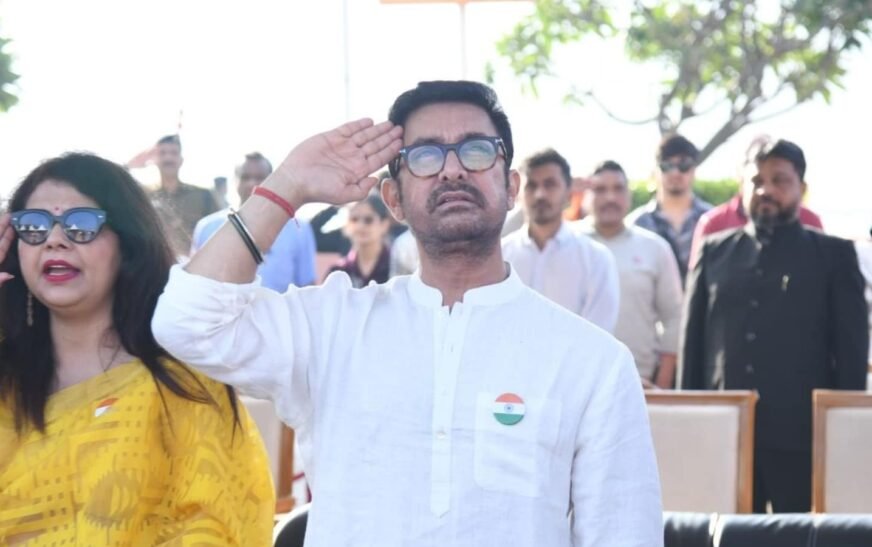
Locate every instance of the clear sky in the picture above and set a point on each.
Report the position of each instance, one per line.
(112, 76)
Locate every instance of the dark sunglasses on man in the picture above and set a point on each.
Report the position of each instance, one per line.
(684, 166)
(474, 153)
(80, 224)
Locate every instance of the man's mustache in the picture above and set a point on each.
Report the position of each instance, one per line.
(474, 194)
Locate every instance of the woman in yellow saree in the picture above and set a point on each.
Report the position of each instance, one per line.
(104, 439)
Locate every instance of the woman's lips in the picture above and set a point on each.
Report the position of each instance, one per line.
(59, 271)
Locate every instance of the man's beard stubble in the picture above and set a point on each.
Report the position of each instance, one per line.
(780, 217)
(477, 239)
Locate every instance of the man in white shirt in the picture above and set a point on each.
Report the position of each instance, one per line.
(561, 264)
(650, 313)
(451, 407)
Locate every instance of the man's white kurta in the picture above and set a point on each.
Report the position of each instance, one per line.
(392, 398)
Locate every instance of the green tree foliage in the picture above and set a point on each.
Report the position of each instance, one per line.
(740, 54)
(712, 191)
(7, 78)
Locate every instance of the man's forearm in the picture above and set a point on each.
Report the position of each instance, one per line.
(225, 256)
(666, 371)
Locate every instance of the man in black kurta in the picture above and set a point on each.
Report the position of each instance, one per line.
(780, 309)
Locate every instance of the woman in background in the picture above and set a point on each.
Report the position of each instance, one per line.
(104, 439)
(370, 256)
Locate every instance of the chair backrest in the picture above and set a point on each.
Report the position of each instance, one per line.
(704, 442)
(842, 452)
(278, 439)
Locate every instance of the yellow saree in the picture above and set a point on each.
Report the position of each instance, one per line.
(116, 467)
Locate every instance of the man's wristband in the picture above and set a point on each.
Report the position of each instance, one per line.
(243, 232)
(275, 198)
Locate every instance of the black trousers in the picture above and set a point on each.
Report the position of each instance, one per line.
(782, 478)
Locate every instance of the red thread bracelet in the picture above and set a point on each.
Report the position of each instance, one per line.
(275, 198)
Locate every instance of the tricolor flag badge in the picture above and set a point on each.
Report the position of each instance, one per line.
(104, 406)
(509, 409)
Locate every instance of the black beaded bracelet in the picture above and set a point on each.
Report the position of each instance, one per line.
(243, 232)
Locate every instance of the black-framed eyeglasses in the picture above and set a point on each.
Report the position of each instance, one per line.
(474, 154)
(684, 166)
(80, 224)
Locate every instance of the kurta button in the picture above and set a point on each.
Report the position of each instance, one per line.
(441, 435)
(749, 369)
(758, 272)
(750, 336)
(755, 304)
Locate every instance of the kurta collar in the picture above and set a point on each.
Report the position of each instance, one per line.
(488, 295)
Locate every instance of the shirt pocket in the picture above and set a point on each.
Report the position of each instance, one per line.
(515, 459)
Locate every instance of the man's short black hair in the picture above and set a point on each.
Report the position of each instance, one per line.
(449, 91)
(609, 165)
(257, 156)
(545, 157)
(170, 139)
(785, 150)
(676, 145)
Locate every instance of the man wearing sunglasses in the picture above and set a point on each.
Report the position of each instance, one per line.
(454, 406)
(674, 211)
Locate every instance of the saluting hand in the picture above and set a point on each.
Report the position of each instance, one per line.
(7, 236)
(334, 166)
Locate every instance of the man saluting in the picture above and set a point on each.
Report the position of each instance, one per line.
(451, 407)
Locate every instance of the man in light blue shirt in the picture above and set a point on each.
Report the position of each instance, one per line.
(291, 259)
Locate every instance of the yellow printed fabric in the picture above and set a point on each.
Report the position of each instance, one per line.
(121, 465)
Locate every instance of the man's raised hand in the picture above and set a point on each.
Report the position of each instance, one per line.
(335, 166)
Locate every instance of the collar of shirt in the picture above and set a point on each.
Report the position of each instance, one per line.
(735, 207)
(780, 233)
(489, 295)
(564, 234)
(697, 207)
(588, 228)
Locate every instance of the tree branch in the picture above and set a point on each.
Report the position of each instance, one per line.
(614, 116)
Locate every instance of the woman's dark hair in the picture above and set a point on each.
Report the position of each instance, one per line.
(27, 364)
(375, 202)
(461, 91)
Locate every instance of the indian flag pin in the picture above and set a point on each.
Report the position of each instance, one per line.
(509, 409)
(104, 407)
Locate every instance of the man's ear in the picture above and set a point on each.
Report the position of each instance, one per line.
(804, 188)
(513, 189)
(390, 193)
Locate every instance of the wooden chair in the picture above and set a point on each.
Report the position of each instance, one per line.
(842, 452)
(704, 441)
(279, 442)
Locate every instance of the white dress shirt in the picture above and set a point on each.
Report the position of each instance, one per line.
(572, 269)
(392, 396)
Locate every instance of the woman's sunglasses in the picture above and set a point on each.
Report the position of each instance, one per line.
(474, 153)
(80, 225)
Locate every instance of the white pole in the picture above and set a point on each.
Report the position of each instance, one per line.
(346, 61)
(463, 64)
